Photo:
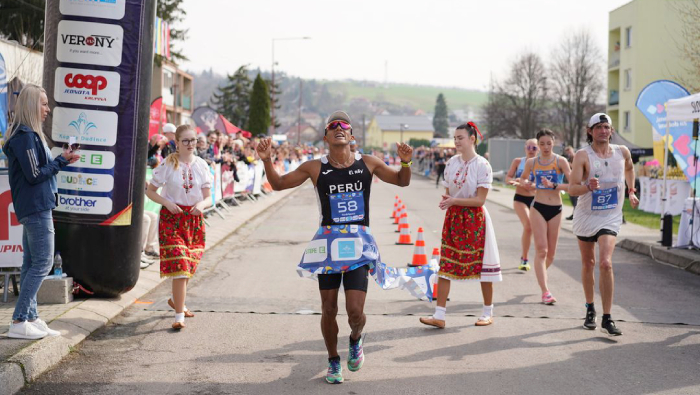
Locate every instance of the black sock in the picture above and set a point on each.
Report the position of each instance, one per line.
(337, 358)
(606, 317)
(355, 341)
(590, 306)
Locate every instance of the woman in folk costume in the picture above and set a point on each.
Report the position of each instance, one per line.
(186, 181)
(469, 250)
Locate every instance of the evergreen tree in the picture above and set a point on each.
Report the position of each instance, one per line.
(441, 123)
(275, 91)
(259, 116)
(233, 100)
(23, 21)
(171, 11)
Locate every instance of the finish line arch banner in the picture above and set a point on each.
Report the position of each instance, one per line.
(98, 60)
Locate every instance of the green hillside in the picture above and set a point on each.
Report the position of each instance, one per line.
(420, 97)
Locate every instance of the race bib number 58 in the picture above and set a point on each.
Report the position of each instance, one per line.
(347, 207)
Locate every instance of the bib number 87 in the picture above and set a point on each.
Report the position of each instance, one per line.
(344, 207)
(603, 199)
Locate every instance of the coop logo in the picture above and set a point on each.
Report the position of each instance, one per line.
(84, 204)
(75, 181)
(90, 82)
(109, 9)
(89, 127)
(91, 87)
(89, 43)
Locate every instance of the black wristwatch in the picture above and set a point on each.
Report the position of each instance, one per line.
(554, 186)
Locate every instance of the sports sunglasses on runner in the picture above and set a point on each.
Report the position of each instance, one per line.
(343, 125)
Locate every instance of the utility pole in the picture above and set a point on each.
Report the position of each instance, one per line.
(299, 120)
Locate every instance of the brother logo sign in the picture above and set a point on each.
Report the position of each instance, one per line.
(84, 204)
(89, 43)
(92, 87)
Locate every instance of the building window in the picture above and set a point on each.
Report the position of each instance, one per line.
(628, 37)
(627, 121)
(628, 79)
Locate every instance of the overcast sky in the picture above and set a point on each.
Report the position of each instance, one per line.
(438, 42)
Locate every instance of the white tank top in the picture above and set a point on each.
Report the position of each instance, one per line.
(602, 209)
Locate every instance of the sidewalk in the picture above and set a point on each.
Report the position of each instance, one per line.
(24, 360)
(633, 237)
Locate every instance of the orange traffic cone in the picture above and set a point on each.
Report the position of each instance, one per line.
(396, 206)
(420, 258)
(405, 236)
(436, 255)
(403, 222)
(435, 291)
(402, 208)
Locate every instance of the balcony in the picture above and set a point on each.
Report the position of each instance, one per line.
(614, 60)
(614, 98)
(186, 102)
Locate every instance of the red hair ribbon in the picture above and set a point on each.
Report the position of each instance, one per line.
(472, 124)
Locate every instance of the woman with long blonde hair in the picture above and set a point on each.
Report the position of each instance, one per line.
(186, 181)
(32, 173)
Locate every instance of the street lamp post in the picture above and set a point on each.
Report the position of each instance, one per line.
(272, 96)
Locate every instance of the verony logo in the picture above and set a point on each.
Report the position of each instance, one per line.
(86, 81)
(96, 40)
(91, 87)
(89, 43)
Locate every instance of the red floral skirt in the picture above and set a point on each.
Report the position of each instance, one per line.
(463, 240)
(181, 238)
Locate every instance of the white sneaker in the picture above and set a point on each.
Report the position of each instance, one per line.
(42, 326)
(146, 258)
(25, 330)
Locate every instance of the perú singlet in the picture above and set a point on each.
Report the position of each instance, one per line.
(343, 194)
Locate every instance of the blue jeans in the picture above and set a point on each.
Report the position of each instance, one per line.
(37, 242)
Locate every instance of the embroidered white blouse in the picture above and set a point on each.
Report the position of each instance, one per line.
(184, 185)
(463, 178)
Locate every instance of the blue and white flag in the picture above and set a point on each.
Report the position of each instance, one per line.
(343, 248)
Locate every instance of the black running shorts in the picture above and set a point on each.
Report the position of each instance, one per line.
(353, 280)
(594, 238)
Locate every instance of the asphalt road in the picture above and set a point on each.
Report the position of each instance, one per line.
(257, 325)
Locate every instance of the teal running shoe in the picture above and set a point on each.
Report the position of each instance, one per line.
(334, 375)
(356, 357)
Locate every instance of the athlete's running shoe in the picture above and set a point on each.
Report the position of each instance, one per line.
(590, 320)
(609, 327)
(524, 265)
(547, 298)
(356, 356)
(334, 375)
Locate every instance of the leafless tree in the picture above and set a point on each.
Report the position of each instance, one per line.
(576, 83)
(689, 43)
(517, 105)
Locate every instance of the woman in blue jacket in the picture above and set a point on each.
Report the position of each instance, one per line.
(32, 173)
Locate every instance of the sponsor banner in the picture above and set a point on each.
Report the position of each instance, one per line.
(10, 229)
(89, 127)
(89, 43)
(90, 159)
(84, 204)
(109, 9)
(91, 87)
(89, 182)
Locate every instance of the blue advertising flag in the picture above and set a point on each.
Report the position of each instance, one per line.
(651, 102)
